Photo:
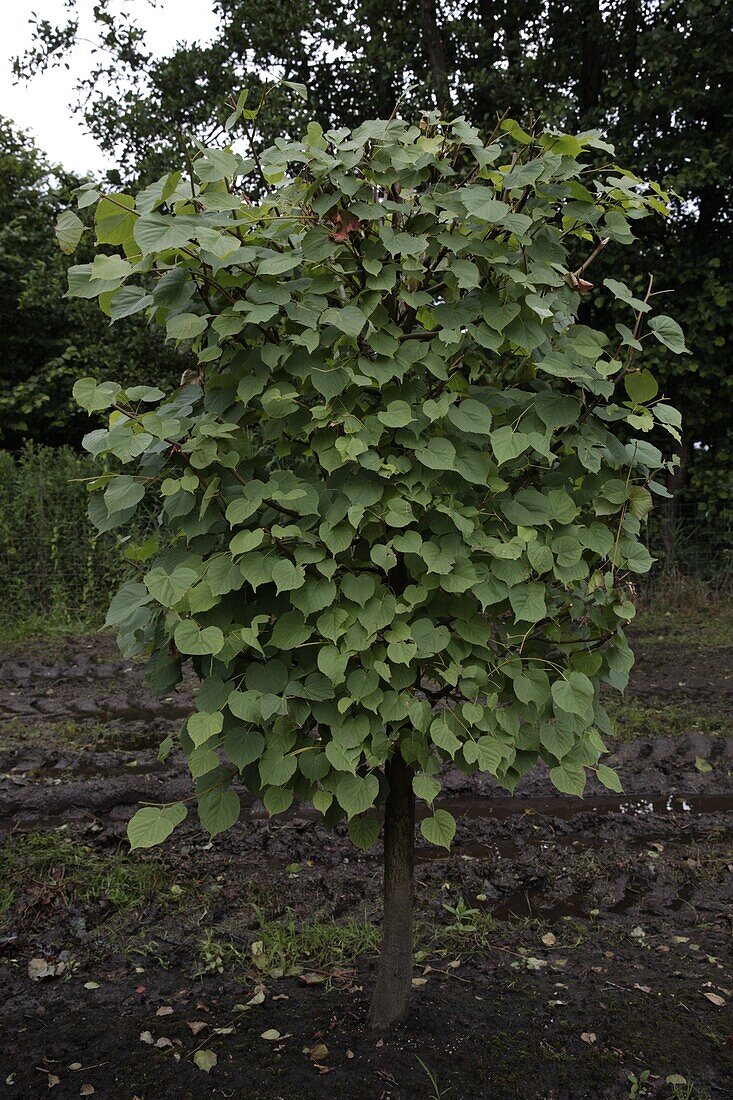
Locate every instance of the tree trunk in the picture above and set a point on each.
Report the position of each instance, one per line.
(435, 52)
(394, 980)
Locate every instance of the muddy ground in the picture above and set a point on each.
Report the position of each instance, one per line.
(565, 948)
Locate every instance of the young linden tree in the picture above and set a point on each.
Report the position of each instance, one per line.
(400, 490)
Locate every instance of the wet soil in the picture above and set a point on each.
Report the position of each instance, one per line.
(563, 944)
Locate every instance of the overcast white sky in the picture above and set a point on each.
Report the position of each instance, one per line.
(42, 104)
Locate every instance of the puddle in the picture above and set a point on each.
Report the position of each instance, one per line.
(474, 808)
(566, 808)
(41, 710)
(527, 904)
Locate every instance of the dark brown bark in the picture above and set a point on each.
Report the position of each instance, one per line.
(394, 980)
(591, 60)
(435, 51)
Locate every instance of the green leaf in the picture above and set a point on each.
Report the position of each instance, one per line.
(557, 739)
(557, 410)
(439, 829)
(358, 587)
(159, 232)
(487, 753)
(669, 333)
(170, 588)
(364, 831)
(243, 747)
(640, 501)
(191, 639)
(202, 726)
(277, 800)
(279, 264)
(470, 416)
(290, 631)
(622, 292)
(127, 301)
(397, 415)
(218, 809)
(322, 800)
(129, 599)
(244, 541)
(425, 787)
(428, 638)
(528, 601)
(276, 768)
(569, 778)
(481, 202)
(115, 220)
(286, 576)
(438, 454)
(333, 663)
(123, 492)
(349, 319)
(186, 326)
(69, 230)
(506, 443)
(152, 825)
(443, 736)
(641, 386)
(609, 778)
(95, 396)
(356, 793)
(574, 694)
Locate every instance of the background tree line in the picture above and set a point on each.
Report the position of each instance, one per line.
(654, 75)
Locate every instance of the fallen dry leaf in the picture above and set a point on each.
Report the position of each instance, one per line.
(146, 1037)
(588, 1037)
(205, 1060)
(164, 1010)
(41, 968)
(318, 1052)
(53, 1080)
(272, 1035)
(311, 978)
(196, 1025)
(549, 939)
(87, 1090)
(714, 999)
(163, 1042)
(417, 982)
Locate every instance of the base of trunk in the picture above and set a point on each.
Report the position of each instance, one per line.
(394, 979)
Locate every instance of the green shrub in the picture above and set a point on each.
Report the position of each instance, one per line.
(55, 568)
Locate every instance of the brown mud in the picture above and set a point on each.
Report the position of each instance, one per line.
(564, 946)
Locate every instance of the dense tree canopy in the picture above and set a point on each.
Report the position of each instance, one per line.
(428, 560)
(48, 339)
(656, 77)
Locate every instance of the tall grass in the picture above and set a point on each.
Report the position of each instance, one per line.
(55, 569)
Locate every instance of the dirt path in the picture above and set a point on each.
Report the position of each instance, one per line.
(563, 945)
